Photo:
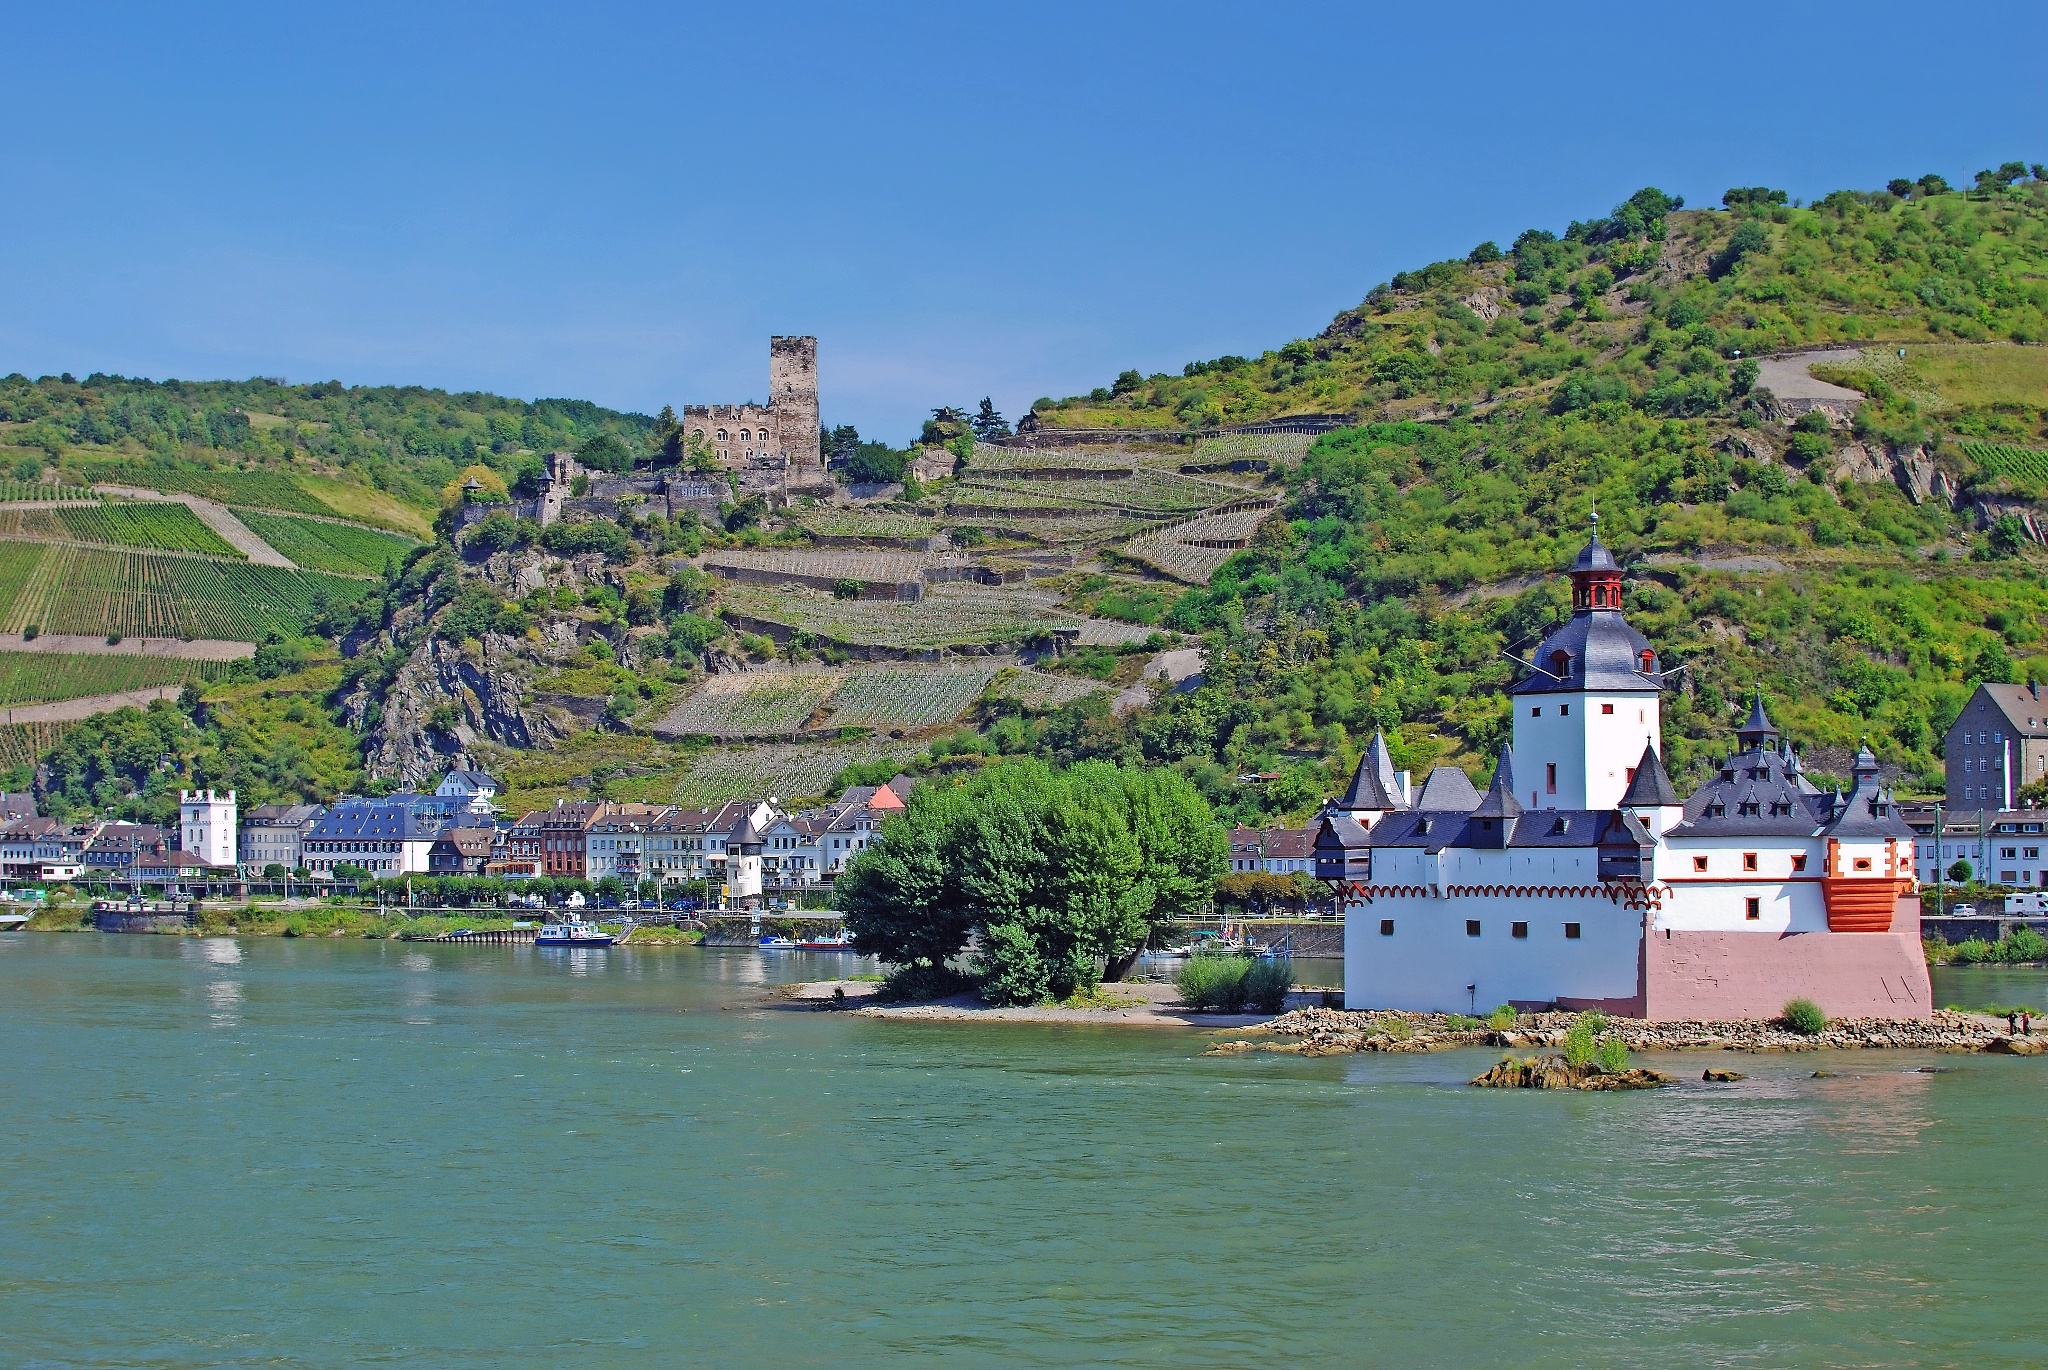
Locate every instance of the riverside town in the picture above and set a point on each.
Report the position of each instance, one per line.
(1446, 766)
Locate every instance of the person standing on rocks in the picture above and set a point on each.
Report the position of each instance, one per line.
(2026, 1022)
(2012, 1024)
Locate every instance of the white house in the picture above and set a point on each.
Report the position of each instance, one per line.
(474, 789)
(1582, 879)
(206, 826)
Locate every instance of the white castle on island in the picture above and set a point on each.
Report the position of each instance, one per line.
(1581, 879)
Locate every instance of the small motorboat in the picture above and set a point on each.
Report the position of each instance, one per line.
(838, 941)
(572, 932)
(777, 944)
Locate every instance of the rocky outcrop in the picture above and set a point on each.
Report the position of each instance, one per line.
(1554, 1072)
(445, 699)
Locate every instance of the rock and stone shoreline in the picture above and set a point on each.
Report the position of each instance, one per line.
(1323, 1032)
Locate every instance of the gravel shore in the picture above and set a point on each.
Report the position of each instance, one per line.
(1323, 1031)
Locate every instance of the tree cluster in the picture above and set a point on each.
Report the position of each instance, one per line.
(1060, 877)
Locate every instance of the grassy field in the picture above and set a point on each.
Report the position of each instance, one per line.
(88, 590)
(948, 615)
(342, 549)
(41, 677)
(367, 505)
(1968, 375)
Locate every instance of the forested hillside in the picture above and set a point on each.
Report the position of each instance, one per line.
(1503, 392)
(223, 436)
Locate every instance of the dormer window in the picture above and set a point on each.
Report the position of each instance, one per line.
(1728, 775)
(1649, 662)
(1560, 664)
(1557, 827)
(1751, 810)
(1422, 828)
(1717, 810)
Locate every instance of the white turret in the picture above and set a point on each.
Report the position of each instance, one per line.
(206, 826)
(1589, 705)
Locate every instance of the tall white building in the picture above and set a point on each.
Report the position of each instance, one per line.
(206, 826)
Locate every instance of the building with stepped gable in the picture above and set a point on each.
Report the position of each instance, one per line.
(1582, 879)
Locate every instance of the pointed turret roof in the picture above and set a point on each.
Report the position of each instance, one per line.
(1448, 790)
(1500, 801)
(1373, 785)
(1757, 730)
(1651, 788)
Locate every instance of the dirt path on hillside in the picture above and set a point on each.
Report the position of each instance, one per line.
(1791, 378)
(71, 710)
(92, 644)
(232, 530)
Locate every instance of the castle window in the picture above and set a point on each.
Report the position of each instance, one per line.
(1606, 708)
(1717, 810)
(1564, 710)
(1386, 927)
(1560, 664)
(1752, 909)
(1571, 932)
(1631, 776)
(1518, 930)
(1699, 864)
(1749, 860)
(721, 435)
(1749, 810)
(1536, 712)
(1649, 661)
(1471, 927)
(1862, 863)
(1550, 777)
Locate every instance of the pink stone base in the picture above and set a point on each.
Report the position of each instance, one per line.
(1719, 976)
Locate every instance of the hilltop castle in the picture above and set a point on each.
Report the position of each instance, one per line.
(774, 446)
(1581, 879)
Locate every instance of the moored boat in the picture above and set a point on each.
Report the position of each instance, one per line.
(772, 943)
(838, 941)
(572, 932)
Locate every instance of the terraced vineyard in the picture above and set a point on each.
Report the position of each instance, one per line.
(751, 704)
(866, 523)
(344, 549)
(17, 492)
(787, 771)
(947, 616)
(170, 526)
(2025, 468)
(42, 677)
(1275, 449)
(1192, 551)
(1038, 690)
(24, 744)
(262, 489)
(1107, 632)
(828, 563)
(138, 594)
(883, 697)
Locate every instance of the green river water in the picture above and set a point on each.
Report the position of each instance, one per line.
(330, 1153)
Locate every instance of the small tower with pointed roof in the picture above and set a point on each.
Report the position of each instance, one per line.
(1376, 788)
(1588, 703)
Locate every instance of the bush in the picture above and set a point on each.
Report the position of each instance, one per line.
(1611, 1054)
(1578, 1042)
(1804, 1016)
(1266, 984)
(1214, 980)
(2025, 944)
(1501, 1019)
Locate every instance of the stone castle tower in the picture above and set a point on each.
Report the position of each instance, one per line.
(773, 444)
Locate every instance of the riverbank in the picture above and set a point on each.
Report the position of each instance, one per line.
(1324, 1032)
(313, 919)
(1307, 1029)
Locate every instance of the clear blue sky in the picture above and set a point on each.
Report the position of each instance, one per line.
(621, 202)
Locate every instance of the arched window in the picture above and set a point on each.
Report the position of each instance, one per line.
(721, 435)
(1560, 663)
(746, 436)
(1649, 661)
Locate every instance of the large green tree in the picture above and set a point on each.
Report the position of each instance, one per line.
(1060, 876)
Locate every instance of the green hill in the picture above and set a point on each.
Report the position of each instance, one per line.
(1502, 393)
(1864, 545)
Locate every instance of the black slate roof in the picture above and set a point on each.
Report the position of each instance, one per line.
(1448, 790)
(1373, 785)
(1535, 828)
(1600, 652)
(1651, 787)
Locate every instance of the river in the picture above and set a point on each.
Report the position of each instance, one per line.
(315, 1153)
